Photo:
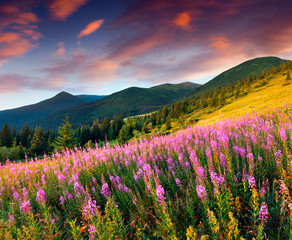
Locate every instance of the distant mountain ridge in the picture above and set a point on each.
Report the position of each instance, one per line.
(130, 101)
(21, 115)
(90, 98)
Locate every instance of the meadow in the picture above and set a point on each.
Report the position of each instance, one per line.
(228, 180)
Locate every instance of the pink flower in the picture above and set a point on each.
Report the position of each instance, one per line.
(264, 213)
(41, 196)
(201, 191)
(25, 207)
(160, 194)
(105, 191)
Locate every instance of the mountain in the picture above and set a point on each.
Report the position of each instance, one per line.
(90, 98)
(130, 101)
(19, 116)
(239, 72)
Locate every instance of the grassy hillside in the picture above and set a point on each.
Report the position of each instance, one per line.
(269, 91)
(275, 94)
(131, 101)
(233, 75)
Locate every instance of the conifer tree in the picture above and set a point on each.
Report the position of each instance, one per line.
(65, 137)
(288, 75)
(5, 136)
(168, 124)
(38, 142)
(122, 137)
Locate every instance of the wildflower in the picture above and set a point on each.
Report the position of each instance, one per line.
(61, 178)
(157, 170)
(222, 160)
(41, 196)
(94, 180)
(283, 135)
(16, 196)
(105, 191)
(252, 183)
(264, 214)
(25, 207)
(178, 182)
(201, 191)
(278, 156)
(201, 173)
(91, 231)
(160, 194)
(44, 179)
(24, 193)
(62, 200)
(89, 208)
(11, 219)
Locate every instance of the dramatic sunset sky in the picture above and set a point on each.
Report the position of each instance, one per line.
(99, 47)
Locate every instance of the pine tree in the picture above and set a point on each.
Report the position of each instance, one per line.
(38, 142)
(288, 75)
(5, 136)
(168, 124)
(66, 137)
(122, 137)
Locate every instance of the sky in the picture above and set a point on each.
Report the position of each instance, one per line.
(100, 47)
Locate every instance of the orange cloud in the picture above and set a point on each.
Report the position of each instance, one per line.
(183, 20)
(219, 42)
(61, 50)
(60, 10)
(139, 46)
(13, 45)
(34, 35)
(18, 30)
(91, 28)
(99, 70)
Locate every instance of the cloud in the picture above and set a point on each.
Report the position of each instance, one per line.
(13, 14)
(219, 42)
(89, 69)
(66, 66)
(18, 30)
(61, 50)
(91, 28)
(13, 45)
(219, 35)
(183, 20)
(11, 83)
(60, 10)
(100, 70)
(138, 46)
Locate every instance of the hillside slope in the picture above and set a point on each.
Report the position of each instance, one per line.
(233, 75)
(275, 94)
(130, 101)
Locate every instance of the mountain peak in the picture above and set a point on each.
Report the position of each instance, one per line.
(63, 94)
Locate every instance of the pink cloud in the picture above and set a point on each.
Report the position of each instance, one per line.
(60, 10)
(11, 83)
(91, 28)
(219, 42)
(100, 71)
(14, 45)
(61, 50)
(18, 30)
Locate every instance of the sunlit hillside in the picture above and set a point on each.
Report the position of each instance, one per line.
(276, 93)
